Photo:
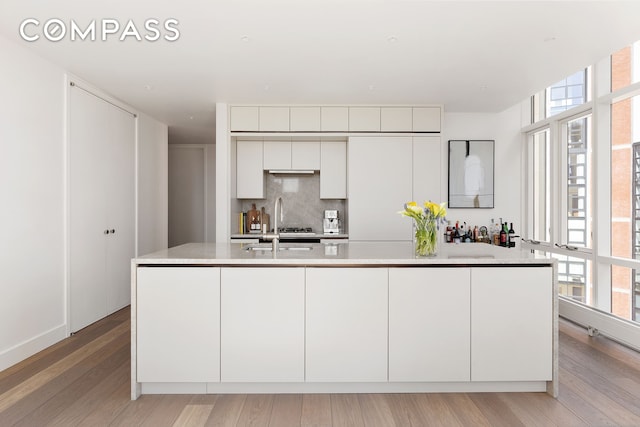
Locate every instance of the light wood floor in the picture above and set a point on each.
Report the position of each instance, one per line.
(84, 380)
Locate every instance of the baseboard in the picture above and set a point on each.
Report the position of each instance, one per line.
(28, 348)
(620, 330)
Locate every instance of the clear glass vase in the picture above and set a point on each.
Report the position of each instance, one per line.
(426, 240)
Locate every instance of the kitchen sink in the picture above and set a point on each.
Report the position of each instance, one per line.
(268, 248)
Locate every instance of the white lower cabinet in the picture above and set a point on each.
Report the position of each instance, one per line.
(512, 324)
(178, 324)
(429, 324)
(262, 324)
(346, 324)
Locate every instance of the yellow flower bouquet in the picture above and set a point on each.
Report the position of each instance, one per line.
(426, 218)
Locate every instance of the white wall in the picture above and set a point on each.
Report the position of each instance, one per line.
(33, 170)
(504, 128)
(152, 185)
(32, 282)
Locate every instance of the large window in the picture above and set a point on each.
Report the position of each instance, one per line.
(561, 96)
(591, 227)
(540, 192)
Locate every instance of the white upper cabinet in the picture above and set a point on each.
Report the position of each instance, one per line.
(396, 119)
(426, 119)
(288, 155)
(333, 170)
(244, 119)
(249, 172)
(334, 119)
(364, 119)
(304, 119)
(274, 119)
(305, 155)
(277, 155)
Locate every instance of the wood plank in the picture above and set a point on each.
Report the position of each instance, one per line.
(256, 410)
(112, 405)
(375, 410)
(226, 410)
(404, 411)
(167, 411)
(33, 383)
(433, 410)
(286, 411)
(465, 410)
(345, 410)
(193, 416)
(541, 409)
(53, 393)
(316, 410)
(496, 412)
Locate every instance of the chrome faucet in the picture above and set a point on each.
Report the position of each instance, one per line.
(275, 237)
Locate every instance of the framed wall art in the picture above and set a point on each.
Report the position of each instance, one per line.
(471, 173)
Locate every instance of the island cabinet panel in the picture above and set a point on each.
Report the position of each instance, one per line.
(346, 324)
(512, 324)
(178, 324)
(262, 324)
(429, 324)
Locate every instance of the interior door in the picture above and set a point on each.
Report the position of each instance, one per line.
(101, 199)
(120, 191)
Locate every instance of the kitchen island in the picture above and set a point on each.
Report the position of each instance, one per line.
(357, 317)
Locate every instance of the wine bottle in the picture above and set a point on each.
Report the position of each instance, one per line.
(511, 237)
(503, 235)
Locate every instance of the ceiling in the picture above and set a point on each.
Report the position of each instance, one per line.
(470, 56)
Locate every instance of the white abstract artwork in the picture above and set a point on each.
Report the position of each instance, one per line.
(471, 173)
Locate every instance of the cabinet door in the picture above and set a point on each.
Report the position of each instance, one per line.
(249, 172)
(178, 324)
(346, 324)
(426, 169)
(426, 119)
(396, 119)
(429, 324)
(334, 119)
(511, 314)
(277, 155)
(244, 119)
(262, 325)
(333, 170)
(379, 184)
(274, 119)
(304, 119)
(363, 119)
(305, 155)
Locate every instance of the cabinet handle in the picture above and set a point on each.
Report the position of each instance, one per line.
(113, 231)
(106, 231)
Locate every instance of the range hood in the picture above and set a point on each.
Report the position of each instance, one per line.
(291, 171)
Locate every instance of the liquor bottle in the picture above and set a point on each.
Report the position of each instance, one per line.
(510, 236)
(475, 233)
(503, 235)
(456, 234)
(448, 233)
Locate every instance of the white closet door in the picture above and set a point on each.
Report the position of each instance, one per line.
(120, 190)
(101, 199)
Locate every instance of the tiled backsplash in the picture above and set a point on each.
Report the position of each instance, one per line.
(301, 200)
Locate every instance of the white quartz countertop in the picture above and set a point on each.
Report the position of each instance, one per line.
(340, 254)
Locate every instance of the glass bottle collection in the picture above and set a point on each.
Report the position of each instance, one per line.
(501, 234)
